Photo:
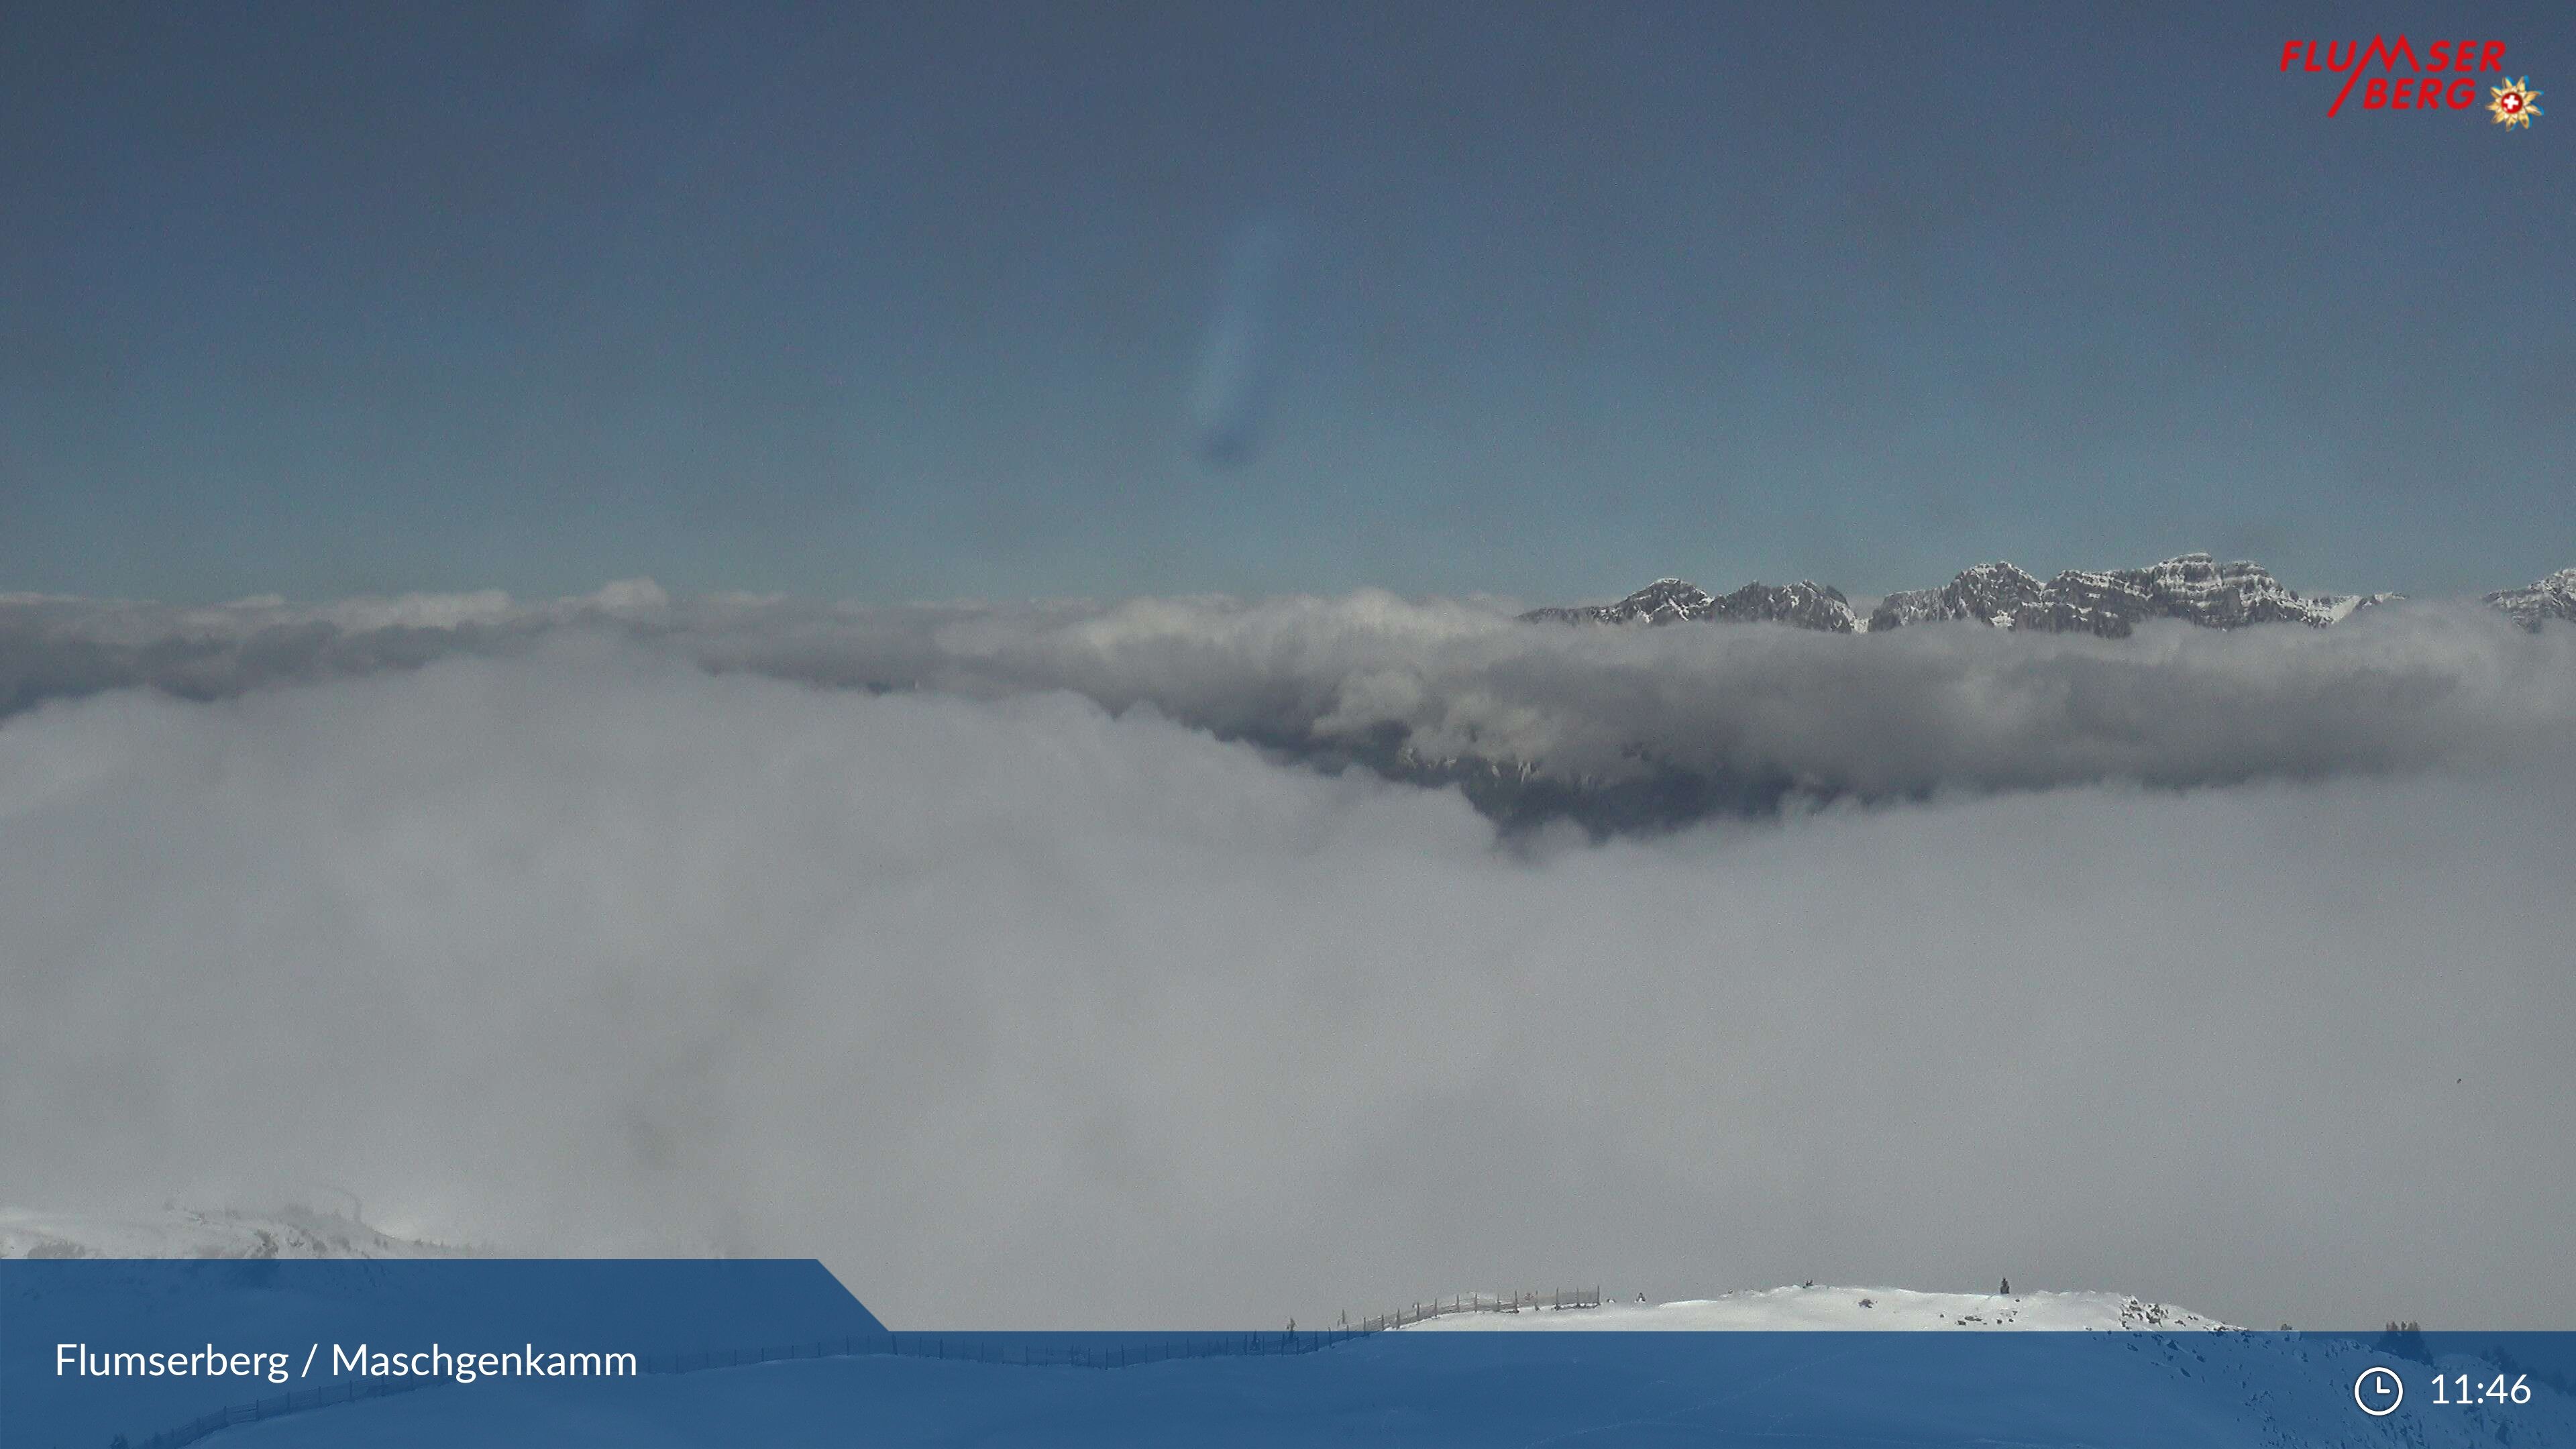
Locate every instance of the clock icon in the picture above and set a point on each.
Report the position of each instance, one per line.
(2378, 1391)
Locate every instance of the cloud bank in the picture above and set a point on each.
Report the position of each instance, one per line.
(1033, 1006)
(1613, 727)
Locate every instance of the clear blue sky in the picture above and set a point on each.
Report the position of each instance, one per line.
(902, 301)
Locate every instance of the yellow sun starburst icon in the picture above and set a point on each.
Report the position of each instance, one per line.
(2515, 103)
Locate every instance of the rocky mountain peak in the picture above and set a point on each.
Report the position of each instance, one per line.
(1990, 593)
(2552, 598)
(2192, 587)
(1805, 604)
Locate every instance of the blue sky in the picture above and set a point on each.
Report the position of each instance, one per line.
(911, 301)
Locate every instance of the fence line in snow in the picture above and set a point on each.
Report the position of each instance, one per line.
(990, 1348)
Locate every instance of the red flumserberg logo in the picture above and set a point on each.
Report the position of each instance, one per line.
(2444, 75)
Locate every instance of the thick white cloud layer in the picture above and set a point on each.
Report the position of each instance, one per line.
(1019, 1012)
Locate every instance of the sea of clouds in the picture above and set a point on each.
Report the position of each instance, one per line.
(1409, 686)
(1040, 965)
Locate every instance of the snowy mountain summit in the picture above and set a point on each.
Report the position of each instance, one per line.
(2192, 587)
(1773, 1310)
(2552, 598)
(1806, 604)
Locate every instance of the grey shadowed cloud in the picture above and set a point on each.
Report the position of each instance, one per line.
(1021, 1011)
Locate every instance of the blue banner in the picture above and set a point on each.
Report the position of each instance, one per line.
(274, 1355)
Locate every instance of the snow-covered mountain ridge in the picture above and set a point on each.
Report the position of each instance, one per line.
(1806, 604)
(307, 1233)
(2192, 587)
(181, 1233)
(1803, 1307)
(2552, 598)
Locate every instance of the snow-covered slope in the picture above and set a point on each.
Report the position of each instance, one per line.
(1779, 1309)
(179, 1233)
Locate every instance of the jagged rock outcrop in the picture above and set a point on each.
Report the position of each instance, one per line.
(2192, 587)
(1665, 601)
(2552, 598)
(1990, 593)
(1805, 604)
